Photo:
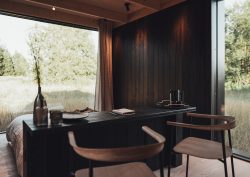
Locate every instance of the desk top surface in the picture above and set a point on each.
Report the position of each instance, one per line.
(95, 118)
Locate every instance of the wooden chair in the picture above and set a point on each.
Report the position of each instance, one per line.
(123, 154)
(203, 148)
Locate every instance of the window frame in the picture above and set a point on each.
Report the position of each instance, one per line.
(218, 68)
(27, 17)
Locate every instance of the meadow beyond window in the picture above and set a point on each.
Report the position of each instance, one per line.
(67, 58)
(237, 67)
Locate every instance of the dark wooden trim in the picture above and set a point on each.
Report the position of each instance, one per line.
(79, 8)
(29, 13)
(218, 60)
(218, 56)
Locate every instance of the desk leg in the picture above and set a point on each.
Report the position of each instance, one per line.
(25, 167)
(174, 136)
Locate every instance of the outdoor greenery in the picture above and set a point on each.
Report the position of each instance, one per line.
(64, 53)
(237, 104)
(17, 95)
(238, 46)
(66, 59)
(21, 66)
(237, 83)
(6, 63)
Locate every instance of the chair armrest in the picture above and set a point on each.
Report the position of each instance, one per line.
(209, 116)
(121, 154)
(159, 138)
(218, 127)
(72, 140)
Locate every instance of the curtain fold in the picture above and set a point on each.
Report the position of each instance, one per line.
(104, 79)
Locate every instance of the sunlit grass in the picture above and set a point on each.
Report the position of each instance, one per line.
(6, 117)
(17, 95)
(237, 103)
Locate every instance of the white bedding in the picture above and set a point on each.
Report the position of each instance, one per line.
(14, 135)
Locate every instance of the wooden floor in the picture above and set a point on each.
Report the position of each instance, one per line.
(7, 164)
(197, 167)
(208, 168)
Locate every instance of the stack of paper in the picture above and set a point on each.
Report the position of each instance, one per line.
(123, 111)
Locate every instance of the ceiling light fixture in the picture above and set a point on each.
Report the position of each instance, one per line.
(53, 8)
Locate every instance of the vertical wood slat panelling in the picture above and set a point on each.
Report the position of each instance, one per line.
(167, 50)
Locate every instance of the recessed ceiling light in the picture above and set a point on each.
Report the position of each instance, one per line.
(53, 8)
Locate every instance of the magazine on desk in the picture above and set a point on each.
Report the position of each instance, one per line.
(124, 111)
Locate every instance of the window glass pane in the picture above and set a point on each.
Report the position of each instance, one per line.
(67, 60)
(237, 83)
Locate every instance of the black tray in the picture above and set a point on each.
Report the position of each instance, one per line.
(172, 106)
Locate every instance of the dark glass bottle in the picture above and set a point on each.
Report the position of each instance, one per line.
(40, 111)
(176, 96)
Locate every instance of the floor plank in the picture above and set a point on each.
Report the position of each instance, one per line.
(7, 163)
(197, 167)
(208, 168)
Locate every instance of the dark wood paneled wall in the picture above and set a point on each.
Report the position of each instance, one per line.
(167, 50)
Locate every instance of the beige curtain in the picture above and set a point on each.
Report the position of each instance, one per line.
(104, 80)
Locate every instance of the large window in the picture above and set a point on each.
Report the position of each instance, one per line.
(67, 58)
(237, 70)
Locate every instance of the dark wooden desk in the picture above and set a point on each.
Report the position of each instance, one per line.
(47, 152)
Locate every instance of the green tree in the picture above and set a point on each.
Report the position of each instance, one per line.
(1, 61)
(238, 45)
(21, 65)
(6, 63)
(66, 53)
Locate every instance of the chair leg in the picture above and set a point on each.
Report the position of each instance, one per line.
(161, 165)
(225, 166)
(224, 153)
(90, 169)
(232, 163)
(187, 165)
(169, 147)
(169, 163)
(230, 144)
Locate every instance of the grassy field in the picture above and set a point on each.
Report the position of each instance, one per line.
(237, 103)
(17, 95)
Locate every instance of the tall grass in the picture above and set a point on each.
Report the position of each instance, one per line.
(237, 103)
(17, 95)
(6, 117)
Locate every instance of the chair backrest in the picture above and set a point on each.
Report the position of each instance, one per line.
(123, 154)
(223, 122)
